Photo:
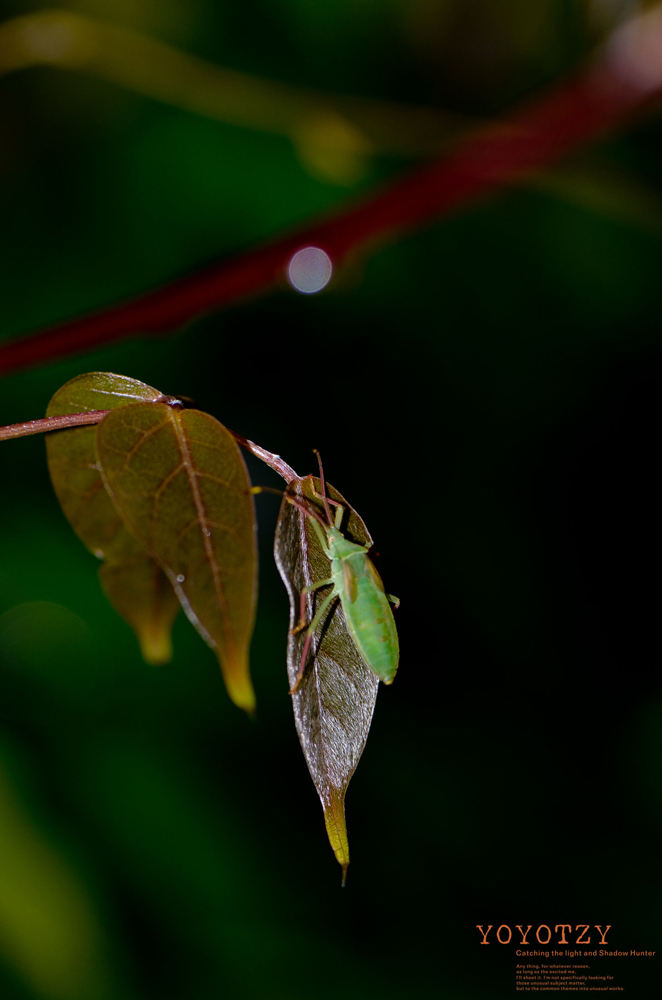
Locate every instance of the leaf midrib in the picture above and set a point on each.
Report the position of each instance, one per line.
(203, 519)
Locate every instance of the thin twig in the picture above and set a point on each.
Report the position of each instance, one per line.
(618, 84)
(46, 424)
(274, 462)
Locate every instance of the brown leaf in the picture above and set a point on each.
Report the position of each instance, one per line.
(181, 485)
(142, 594)
(132, 581)
(335, 700)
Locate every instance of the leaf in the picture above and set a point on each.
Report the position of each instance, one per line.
(142, 594)
(134, 584)
(334, 703)
(179, 481)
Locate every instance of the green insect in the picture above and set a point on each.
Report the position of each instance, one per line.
(358, 586)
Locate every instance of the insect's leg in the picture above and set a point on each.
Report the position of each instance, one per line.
(320, 496)
(395, 601)
(309, 638)
(302, 607)
(323, 540)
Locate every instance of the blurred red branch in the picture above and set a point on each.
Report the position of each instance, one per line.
(627, 74)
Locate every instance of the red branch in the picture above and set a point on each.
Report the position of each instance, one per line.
(625, 77)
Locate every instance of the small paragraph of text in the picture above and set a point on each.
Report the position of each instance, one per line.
(539, 977)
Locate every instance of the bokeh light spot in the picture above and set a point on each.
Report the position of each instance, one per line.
(45, 640)
(310, 270)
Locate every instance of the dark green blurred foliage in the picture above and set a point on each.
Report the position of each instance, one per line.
(486, 394)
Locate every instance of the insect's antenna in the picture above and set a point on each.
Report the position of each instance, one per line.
(306, 510)
(299, 504)
(325, 501)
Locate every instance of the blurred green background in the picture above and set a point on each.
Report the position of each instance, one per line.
(486, 394)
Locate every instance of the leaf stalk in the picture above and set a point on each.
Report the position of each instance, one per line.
(47, 424)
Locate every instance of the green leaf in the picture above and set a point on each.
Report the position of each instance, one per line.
(335, 700)
(134, 584)
(181, 486)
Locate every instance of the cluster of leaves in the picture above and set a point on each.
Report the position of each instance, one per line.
(161, 494)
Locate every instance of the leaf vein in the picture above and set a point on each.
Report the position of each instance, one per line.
(144, 436)
(201, 511)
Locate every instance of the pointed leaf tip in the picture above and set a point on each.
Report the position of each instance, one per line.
(141, 592)
(239, 686)
(156, 649)
(336, 828)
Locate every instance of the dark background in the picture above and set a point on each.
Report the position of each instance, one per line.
(485, 394)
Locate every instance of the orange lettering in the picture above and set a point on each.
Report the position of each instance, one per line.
(510, 934)
(579, 939)
(549, 934)
(523, 933)
(603, 937)
(563, 927)
(484, 933)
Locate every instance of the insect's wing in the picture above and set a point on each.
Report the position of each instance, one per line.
(349, 580)
(371, 570)
(334, 702)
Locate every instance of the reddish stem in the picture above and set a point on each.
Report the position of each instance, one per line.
(274, 462)
(607, 93)
(51, 424)
(46, 424)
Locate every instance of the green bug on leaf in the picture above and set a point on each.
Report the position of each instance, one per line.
(358, 586)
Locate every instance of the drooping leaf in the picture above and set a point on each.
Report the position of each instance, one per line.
(134, 584)
(181, 485)
(334, 702)
(142, 594)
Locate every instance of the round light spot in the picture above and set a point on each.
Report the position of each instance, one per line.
(310, 270)
(46, 640)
